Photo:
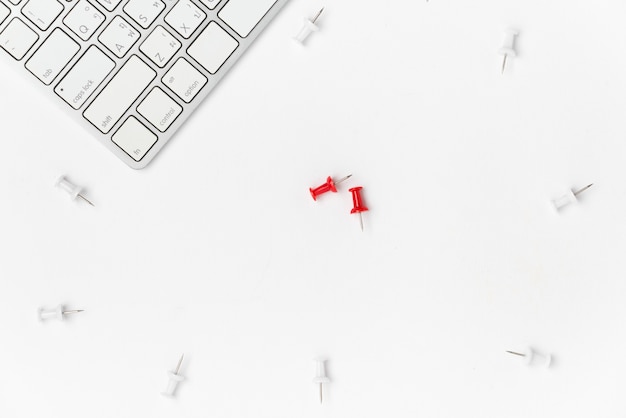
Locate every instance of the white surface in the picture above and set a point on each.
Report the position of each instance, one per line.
(217, 249)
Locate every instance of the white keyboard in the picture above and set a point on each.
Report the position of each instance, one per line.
(131, 71)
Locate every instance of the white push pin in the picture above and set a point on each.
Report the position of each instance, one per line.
(72, 189)
(57, 313)
(320, 374)
(307, 27)
(532, 357)
(175, 379)
(569, 197)
(508, 47)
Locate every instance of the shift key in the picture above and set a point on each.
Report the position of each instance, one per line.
(85, 77)
(118, 96)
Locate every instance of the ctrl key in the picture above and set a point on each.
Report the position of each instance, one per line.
(134, 138)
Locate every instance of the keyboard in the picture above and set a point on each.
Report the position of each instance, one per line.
(130, 71)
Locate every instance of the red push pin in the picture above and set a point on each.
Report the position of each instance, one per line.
(357, 202)
(329, 186)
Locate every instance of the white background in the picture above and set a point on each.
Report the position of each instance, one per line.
(216, 250)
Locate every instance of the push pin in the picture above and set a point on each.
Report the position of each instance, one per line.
(531, 357)
(508, 47)
(357, 203)
(569, 197)
(308, 27)
(57, 313)
(72, 189)
(175, 379)
(320, 375)
(329, 186)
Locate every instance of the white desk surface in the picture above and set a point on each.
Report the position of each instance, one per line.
(216, 250)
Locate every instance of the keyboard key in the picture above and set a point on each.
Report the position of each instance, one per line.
(52, 56)
(17, 38)
(211, 4)
(118, 96)
(134, 138)
(84, 20)
(160, 46)
(159, 109)
(15, 2)
(119, 37)
(85, 76)
(212, 47)
(144, 12)
(42, 12)
(185, 18)
(184, 80)
(109, 4)
(4, 12)
(243, 15)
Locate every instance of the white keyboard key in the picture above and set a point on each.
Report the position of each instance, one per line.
(17, 38)
(185, 18)
(109, 4)
(212, 47)
(117, 97)
(42, 12)
(4, 12)
(15, 2)
(52, 56)
(84, 20)
(211, 4)
(84, 78)
(159, 109)
(144, 12)
(119, 36)
(184, 80)
(134, 138)
(243, 15)
(160, 46)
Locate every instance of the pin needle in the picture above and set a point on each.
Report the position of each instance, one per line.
(517, 354)
(85, 199)
(317, 15)
(343, 179)
(179, 363)
(504, 63)
(583, 189)
(321, 394)
(73, 312)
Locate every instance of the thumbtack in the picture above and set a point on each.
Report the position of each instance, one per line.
(57, 313)
(320, 374)
(308, 27)
(72, 189)
(357, 203)
(175, 379)
(329, 186)
(569, 197)
(508, 46)
(532, 357)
